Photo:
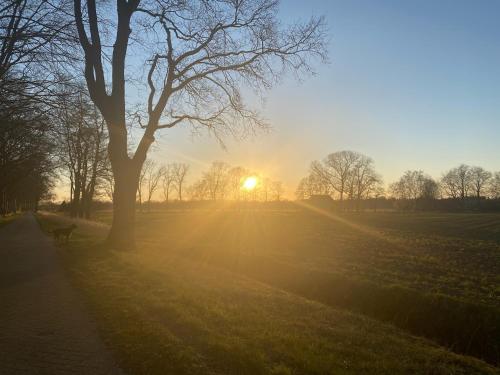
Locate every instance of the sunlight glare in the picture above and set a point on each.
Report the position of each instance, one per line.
(250, 183)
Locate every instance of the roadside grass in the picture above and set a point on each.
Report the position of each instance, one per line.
(167, 312)
(4, 220)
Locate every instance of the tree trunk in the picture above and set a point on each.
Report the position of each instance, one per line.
(75, 204)
(122, 233)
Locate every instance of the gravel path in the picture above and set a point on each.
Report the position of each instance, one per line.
(44, 328)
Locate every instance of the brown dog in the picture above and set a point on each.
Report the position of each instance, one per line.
(64, 232)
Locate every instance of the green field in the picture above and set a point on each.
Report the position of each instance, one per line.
(296, 292)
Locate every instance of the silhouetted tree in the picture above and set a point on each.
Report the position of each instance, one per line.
(34, 36)
(277, 190)
(362, 179)
(216, 180)
(264, 188)
(494, 186)
(350, 174)
(336, 170)
(312, 185)
(180, 171)
(153, 177)
(82, 155)
(142, 188)
(479, 180)
(457, 182)
(236, 176)
(26, 165)
(414, 186)
(168, 180)
(198, 54)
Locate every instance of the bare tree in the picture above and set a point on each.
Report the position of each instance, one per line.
(363, 179)
(216, 180)
(302, 191)
(450, 185)
(199, 52)
(494, 186)
(236, 175)
(457, 182)
(311, 185)
(26, 165)
(168, 180)
(336, 170)
(34, 36)
(180, 171)
(479, 179)
(277, 190)
(153, 176)
(265, 186)
(199, 191)
(149, 166)
(414, 186)
(82, 148)
(429, 189)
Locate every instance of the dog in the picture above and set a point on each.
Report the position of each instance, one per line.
(64, 232)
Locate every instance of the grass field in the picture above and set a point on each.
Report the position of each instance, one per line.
(452, 254)
(271, 292)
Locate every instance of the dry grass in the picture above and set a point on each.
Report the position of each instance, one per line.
(207, 293)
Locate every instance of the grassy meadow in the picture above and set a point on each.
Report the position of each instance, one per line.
(295, 292)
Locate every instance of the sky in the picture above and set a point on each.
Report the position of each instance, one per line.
(412, 84)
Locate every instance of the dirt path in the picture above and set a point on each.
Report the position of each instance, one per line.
(44, 328)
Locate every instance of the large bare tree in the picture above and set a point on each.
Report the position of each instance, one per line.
(35, 36)
(199, 54)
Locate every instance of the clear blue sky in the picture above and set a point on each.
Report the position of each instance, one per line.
(413, 84)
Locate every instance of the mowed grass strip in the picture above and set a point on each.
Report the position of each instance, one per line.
(172, 315)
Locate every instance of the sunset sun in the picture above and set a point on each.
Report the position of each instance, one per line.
(250, 183)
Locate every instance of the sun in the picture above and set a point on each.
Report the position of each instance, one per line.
(250, 183)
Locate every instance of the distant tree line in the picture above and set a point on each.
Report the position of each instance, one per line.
(222, 181)
(462, 187)
(350, 179)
